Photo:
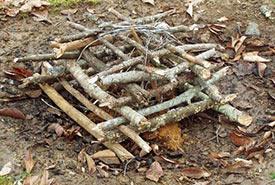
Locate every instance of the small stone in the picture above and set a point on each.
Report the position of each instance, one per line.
(252, 29)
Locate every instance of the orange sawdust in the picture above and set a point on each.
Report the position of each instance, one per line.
(169, 135)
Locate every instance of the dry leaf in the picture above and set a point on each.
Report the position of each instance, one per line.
(152, 2)
(239, 140)
(34, 93)
(82, 156)
(261, 69)
(195, 173)
(220, 155)
(68, 11)
(190, 9)
(28, 162)
(91, 164)
(253, 57)
(107, 156)
(32, 180)
(12, 112)
(155, 172)
(59, 130)
(41, 16)
(223, 19)
(30, 4)
(6, 169)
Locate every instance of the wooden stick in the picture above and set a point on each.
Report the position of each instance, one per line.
(184, 97)
(102, 114)
(83, 121)
(138, 140)
(231, 112)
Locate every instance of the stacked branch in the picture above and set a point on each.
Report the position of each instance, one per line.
(135, 80)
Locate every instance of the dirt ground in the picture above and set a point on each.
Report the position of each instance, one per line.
(21, 36)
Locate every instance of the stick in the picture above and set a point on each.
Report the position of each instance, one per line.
(102, 114)
(231, 112)
(83, 121)
(50, 56)
(184, 97)
(96, 92)
(171, 116)
(138, 140)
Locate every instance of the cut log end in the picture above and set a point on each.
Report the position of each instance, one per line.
(244, 119)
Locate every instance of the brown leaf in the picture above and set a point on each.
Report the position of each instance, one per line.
(30, 4)
(91, 164)
(195, 173)
(253, 57)
(41, 16)
(223, 19)
(32, 180)
(12, 112)
(28, 162)
(82, 156)
(12, 12)
(107, 156)
(34, 93)
(44, 178)
(59, 130)
(220, 155)
(23, 72)
(155, 172)
(239, 140)
(68, 11)
(261, 69)
(152, 2)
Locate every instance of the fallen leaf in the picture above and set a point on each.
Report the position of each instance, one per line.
(261, 69)
(239, 43)
(223, 19)
(82, 156)
(155, 172)
(195, 173)
(152, 2)
(107, 156)
(12, 112)
(30, 4)
(59, 130)
(32, 180)
(34, 93)
(41, 16)
(253, 57)
(102, 172)
(28, 162)
(68, 11)
(23, 72)
(239, 140)
(91, 164)
(220, 155)
(190, 9)
(12, 12)
(44, 178)
(6, 169)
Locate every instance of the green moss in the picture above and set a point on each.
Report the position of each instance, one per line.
(272, 175)
(6, 180)
(67, 3)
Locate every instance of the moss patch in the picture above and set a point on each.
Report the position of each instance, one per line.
(70, 2)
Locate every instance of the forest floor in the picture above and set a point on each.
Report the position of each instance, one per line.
(21, 36)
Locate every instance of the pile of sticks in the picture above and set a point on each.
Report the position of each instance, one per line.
(144, 60)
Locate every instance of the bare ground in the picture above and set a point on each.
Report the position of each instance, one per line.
(22, 36)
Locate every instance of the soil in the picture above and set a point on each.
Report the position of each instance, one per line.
(21, 36)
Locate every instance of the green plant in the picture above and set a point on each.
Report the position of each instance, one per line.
(272, 175)
(55, 3)
(6, 180)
